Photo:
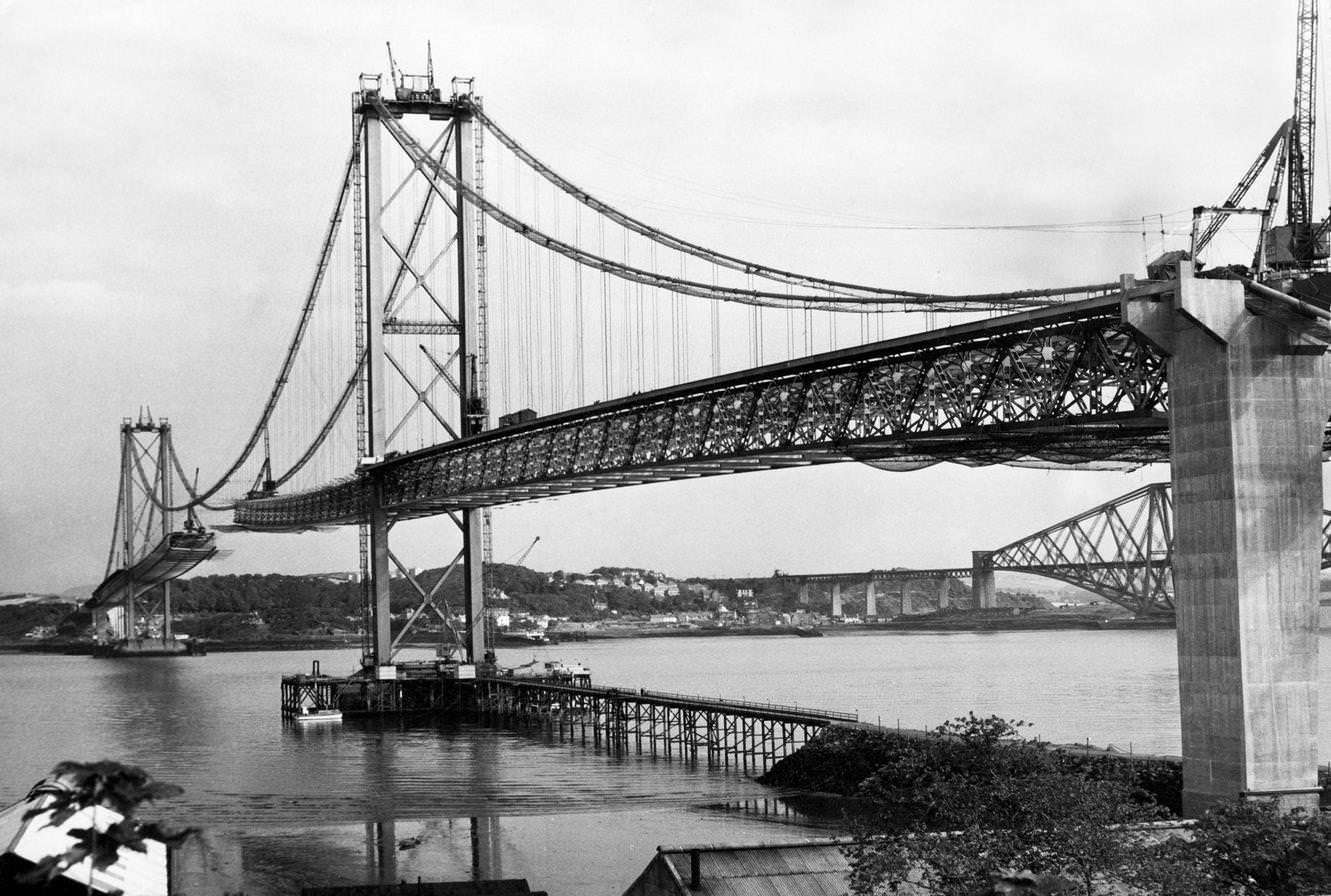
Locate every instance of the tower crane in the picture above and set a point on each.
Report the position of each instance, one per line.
(1295, 247)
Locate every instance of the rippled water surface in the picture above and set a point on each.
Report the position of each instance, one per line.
(368, 801)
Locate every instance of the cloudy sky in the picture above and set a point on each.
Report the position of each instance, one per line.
(166, 170)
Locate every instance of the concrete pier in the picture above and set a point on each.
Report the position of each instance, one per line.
(982, 579)
(870, 600)
(1248, 407)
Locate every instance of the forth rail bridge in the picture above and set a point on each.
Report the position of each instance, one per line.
(462, 283)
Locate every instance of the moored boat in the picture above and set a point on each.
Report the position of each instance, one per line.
(521, 638)
(310, 715)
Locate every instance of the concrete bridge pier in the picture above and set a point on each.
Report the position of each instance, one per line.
(982, 579)
(870, 600)
(1248, 407)
(906, 608)
(804, 594)
(836, 600)
(944, 592)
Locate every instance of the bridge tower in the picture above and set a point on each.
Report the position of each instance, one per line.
(414, 289)
(142, 520)
(132, 606)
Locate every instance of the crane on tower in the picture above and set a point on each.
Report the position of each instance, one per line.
(1297, 248)
(409, 88)
(1301, 241)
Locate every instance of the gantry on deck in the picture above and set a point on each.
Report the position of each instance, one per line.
(726, 733)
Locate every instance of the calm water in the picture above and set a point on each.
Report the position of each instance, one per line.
(284, 807)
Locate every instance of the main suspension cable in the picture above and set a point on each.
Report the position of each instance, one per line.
(729, 261)
(896, 299)
(198, 498)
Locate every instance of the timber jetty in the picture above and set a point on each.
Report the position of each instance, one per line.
(728, 733)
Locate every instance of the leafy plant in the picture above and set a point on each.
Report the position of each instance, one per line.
(75, 786)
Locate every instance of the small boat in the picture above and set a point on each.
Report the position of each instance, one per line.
(309, 714)
(554, 669)
(521, 638)
(807, 631)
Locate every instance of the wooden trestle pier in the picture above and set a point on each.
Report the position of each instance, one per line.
(724, 733)
(751, 736)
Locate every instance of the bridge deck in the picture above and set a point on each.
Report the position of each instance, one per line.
(175, 555)
(1069, 384)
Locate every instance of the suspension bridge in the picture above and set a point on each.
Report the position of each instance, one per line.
(463, 283)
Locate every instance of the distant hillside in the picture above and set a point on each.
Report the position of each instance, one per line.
(14, 600)
(79, 592)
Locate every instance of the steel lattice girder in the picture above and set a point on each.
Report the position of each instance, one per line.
(1122, 550)
(1066, 385)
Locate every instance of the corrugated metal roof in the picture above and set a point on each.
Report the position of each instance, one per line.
(793, 869)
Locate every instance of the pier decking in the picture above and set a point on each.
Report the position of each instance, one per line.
(726, 733)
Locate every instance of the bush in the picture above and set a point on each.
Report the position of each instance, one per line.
(974, 800)
(1247, 848)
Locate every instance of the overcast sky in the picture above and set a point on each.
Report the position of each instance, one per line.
(167, 170)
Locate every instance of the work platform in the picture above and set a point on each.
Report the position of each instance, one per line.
(727, 733)
(144, 647)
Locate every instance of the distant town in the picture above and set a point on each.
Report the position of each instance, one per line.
(524, 606)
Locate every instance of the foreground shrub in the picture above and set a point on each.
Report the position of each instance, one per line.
(975, 800)
(1246, 848)
(976, 809)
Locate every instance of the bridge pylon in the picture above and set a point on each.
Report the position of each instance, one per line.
(420, 292)
(1248, 408)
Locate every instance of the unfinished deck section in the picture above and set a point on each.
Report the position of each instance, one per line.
(725, 733)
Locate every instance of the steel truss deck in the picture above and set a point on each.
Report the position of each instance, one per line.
(1065, 385)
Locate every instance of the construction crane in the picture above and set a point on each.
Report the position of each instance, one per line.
(1300, 241)
(523, 556)
(413, 88)
(1297, 245)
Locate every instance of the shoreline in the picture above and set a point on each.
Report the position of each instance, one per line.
(926, 625)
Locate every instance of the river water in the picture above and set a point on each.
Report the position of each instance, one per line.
(366, 801)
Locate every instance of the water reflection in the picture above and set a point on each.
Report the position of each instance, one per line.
(585, 854)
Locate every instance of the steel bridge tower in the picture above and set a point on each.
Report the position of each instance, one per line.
(392, 268)
(146, 552)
